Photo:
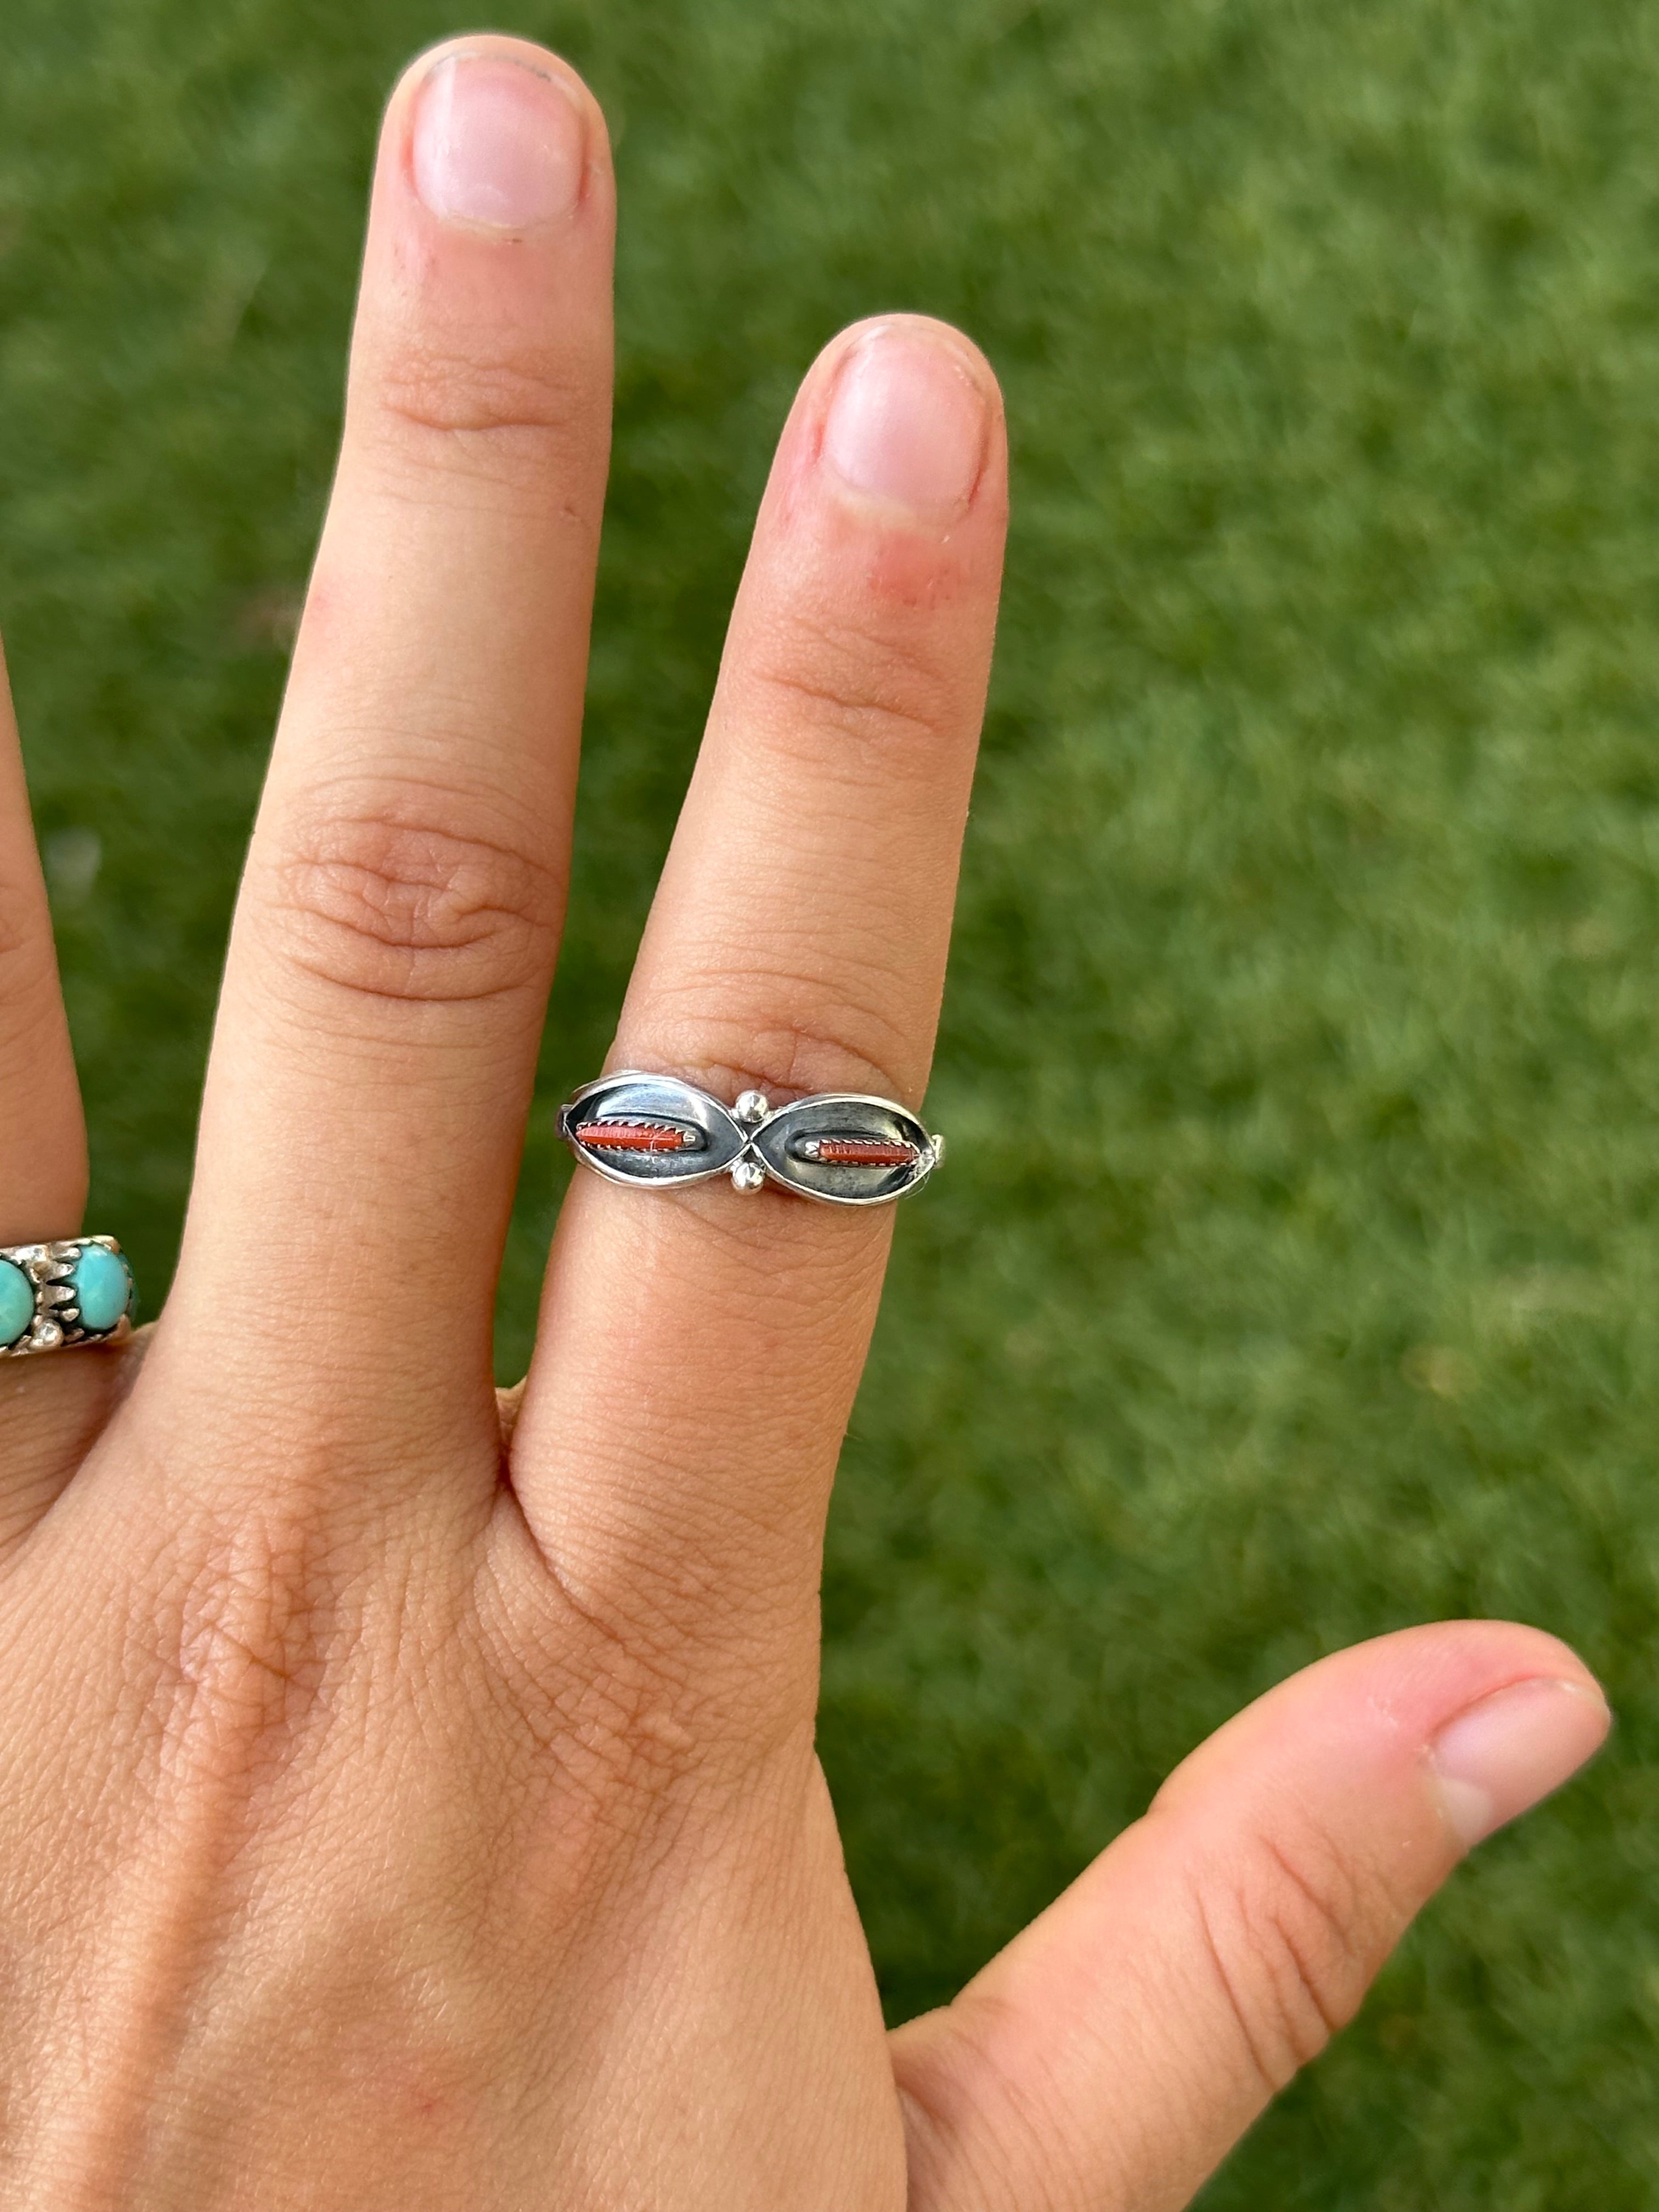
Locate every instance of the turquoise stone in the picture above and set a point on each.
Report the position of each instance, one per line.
(16, 1301)
(102, 1283)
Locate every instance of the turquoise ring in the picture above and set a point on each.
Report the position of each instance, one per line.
(76, 1289)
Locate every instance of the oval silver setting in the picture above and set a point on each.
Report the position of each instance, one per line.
(780, 1143)
(631, 1097)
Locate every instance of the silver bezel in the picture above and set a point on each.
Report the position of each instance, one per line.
(629, 1095)
(842, 1113)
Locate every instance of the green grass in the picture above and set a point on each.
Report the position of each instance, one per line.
(1311, 910)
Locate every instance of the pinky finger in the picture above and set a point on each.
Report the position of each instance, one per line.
(43, 1142)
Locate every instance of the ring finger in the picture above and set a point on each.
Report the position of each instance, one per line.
(699, 1352)
(43, 1145)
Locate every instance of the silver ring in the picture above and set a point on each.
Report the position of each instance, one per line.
(76, 1290)
(838, 1146)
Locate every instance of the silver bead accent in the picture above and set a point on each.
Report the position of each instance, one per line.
(748, 1176)
(938, 1143)
(752, 1109)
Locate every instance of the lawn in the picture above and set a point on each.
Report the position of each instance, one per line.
(1294, 1275)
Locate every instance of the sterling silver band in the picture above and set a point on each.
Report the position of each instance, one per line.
(74, 1290)
(838, 1146)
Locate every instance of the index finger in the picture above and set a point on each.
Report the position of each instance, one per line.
(699, 1351)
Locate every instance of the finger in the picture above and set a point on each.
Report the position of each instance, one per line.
(699, 1352)
(1115, 2052)
(43, 1142)
(43, 1168)
(396, 932)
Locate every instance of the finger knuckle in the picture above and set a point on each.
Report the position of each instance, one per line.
(265, 1617)
(510, 396)
(236, 1646)
(639, 1714)
(869, 687)
(393, 904)
(1293, 1934)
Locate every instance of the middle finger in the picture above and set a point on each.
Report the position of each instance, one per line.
(396, 932)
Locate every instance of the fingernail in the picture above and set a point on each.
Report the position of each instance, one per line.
(497, 142)
(1502, 1756)
(907, 422)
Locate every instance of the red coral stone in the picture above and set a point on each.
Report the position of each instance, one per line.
(633, 1137)
(864, 1152)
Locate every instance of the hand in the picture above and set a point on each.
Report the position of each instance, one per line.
(408, 1799)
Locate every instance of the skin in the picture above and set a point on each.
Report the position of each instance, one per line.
(409, 1796)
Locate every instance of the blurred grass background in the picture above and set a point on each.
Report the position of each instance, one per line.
(1295, 1274)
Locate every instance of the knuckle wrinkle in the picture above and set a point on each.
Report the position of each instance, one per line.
(1290, 1938)
(529, 392)
(405, 910)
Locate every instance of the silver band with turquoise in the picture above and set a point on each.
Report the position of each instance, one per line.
(76, 1289)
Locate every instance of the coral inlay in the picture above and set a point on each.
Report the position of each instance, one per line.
(638, 1137)
(859, 1152)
